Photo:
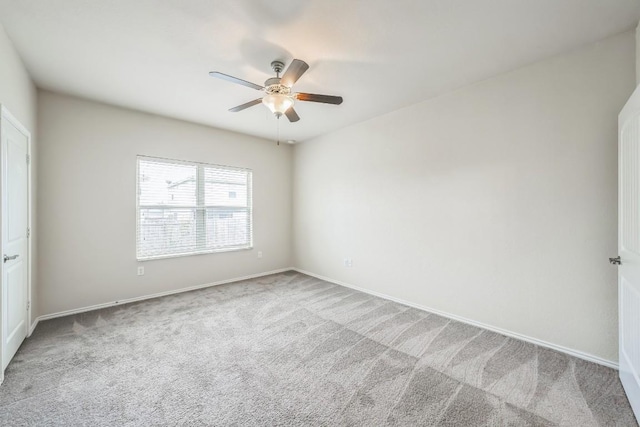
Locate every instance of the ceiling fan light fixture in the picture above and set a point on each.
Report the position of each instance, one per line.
(278, 103)
(279, 98)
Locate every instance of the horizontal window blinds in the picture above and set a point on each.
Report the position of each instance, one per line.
(189, 208)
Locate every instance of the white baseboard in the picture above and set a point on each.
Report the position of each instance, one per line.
(536, 341)
(33, 326)
(151, 296)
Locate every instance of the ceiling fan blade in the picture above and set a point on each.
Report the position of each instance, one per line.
(292, 115)
(246, 105)
(312, 97)
(235, 80)
(296, 69)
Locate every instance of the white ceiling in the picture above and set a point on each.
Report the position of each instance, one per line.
(380, 55)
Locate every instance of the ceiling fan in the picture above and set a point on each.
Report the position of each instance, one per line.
(279, 98)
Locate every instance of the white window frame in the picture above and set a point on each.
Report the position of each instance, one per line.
(200, 207)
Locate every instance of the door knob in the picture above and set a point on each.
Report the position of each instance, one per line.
(615, 261)
(9, 258)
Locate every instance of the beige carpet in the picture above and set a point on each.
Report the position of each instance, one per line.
(291, 350)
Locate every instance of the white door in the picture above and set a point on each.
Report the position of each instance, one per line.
(629, 248)
(15, 248)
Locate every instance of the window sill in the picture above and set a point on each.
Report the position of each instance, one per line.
(216, 251)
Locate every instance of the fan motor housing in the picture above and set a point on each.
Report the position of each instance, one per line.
(273, 86)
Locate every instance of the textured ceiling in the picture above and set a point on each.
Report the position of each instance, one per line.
(380, 55)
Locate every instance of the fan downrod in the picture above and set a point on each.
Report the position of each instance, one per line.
(277, 66)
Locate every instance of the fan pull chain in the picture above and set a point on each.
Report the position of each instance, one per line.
(278, 130)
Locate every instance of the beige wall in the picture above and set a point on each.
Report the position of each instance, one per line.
(18, 95)
(638, 55)
(496, 203)
(17, 91)
(87, 199)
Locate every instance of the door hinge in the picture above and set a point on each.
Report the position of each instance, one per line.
(28, 159)
(28, 232)
(615, 261)
(28, 305)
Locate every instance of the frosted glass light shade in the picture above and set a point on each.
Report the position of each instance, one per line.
(278, 104)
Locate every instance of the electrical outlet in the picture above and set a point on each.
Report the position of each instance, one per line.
(348, 262)
(140, 271)
(259, 254)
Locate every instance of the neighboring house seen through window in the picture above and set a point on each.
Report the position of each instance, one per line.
(187, 208)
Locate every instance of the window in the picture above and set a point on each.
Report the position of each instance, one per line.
(186, 208)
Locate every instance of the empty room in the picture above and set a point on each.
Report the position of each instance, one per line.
(320, 213)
